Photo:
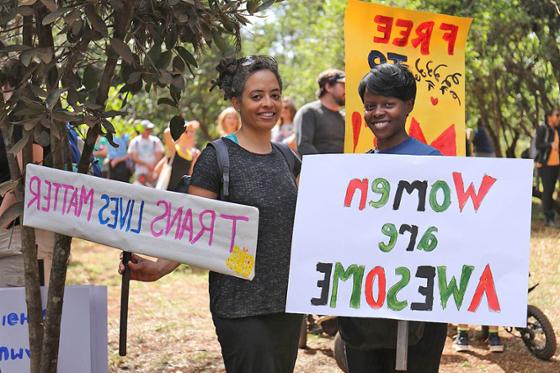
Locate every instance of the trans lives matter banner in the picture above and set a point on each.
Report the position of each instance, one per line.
(440, 239)
(203, 232)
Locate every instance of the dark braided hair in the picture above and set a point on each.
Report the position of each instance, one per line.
(233, 73)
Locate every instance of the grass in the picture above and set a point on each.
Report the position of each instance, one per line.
(170, 329)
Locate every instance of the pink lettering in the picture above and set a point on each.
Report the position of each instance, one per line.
(234, 219)
(35, 193)
(56, 189)
(66, 189)
(86, 198)
(73, 202)
(159, 217)
(187, 225)
(204, 227)
(47, 197)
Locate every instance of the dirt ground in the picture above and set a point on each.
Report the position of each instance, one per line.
(170, 328)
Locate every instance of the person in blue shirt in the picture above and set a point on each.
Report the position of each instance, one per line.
(388, 92)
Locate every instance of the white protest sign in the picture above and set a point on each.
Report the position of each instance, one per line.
(207, 233)
(83, 335)
(442, 239)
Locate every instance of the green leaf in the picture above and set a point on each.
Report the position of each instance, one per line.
(27, 2)
(179, 83)
(90, 79)
(50, 4)
(11, 213)
(26, 57)
(186, 56)
(122, 50)
(166, 101)
(31, 104)
(25, 11)
(53, 97)
(165, 77)
(8, 186)
(44, 54)
(178, 64)
(18, 146)
(95, 21)
(42, 137)
(164, 60)
(220, 42)
(113, 113)
(30, 124)
(109, 128)
(153, 55)
(64, 116)
(252, 6)
(265, 5)
(134, 77)
(51, 17)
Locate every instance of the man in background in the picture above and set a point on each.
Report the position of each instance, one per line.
(320, 125)
(145, 150)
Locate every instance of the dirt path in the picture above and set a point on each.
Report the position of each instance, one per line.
(170, 329)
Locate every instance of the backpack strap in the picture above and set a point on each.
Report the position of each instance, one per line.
(222, 156)
(288, 154)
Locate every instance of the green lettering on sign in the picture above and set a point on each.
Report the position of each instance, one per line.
(392, 300)
(446, 289)
(357, 272)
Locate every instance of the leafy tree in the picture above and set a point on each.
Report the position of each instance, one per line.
(69, 54)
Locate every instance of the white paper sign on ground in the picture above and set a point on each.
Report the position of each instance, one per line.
(454, 247)
(83, 336)
(207, 233)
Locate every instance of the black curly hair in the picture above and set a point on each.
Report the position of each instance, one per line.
(394, 80)
(233, 73)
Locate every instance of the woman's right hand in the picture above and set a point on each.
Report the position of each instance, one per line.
(141, 269)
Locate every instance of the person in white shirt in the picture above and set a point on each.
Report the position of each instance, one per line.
(145, 150)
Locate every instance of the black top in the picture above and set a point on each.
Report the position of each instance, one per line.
(266, 182)
(179, 167)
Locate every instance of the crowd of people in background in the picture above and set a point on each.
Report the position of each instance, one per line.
(318, 127)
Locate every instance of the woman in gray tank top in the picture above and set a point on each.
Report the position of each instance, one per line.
(255, 333)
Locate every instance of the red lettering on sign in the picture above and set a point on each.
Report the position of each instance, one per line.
(424, 32)
(450, 36)
(385, 24)
(405, 34)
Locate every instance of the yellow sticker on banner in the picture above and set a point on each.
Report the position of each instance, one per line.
(433, 46)
(241, 261)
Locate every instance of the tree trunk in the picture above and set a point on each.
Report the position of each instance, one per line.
(32, 285)
(29, 248)
(55, 300)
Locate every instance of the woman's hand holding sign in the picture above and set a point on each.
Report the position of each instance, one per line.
(143, 269)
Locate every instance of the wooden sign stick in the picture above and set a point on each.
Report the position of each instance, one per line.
(402, 346)
(125, 286)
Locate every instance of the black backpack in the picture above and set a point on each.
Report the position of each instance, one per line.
(223, 165)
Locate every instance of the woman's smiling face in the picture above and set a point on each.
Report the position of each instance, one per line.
(386, 118)
(261, 101)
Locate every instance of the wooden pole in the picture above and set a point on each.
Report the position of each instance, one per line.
(125, 286)
(402, 346)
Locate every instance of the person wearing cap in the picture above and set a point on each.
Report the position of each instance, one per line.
(145, 150)
(319, 125)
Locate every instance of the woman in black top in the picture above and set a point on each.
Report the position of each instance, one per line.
(255, 333)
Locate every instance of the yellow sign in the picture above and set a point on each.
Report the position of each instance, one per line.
(433, 46)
